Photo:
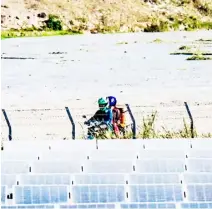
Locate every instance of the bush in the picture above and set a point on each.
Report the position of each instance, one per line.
(53, 23)
(157, 27)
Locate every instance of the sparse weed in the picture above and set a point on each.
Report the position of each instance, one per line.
(198, 55)
(186, 48)
(157, 40)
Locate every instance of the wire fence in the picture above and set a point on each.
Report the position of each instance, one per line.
(66, 123)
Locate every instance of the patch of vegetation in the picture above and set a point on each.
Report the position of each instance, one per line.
(156, 26)
(54, 23)
(203, 7)
(148, 129)
(199, 57)
(157, 40)
(185, 48)
(122, 42)
(205, 40)
(5, 6)
(34, 33)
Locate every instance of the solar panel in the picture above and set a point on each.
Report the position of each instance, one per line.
(199, 153)
(99, 179)
(197, 205)
(14, 167)
(28, 207)
(163, 178)
(41, 194)
(148, 205)
(167, 144)
(201, 143)
(19, 146)
(40, 179)
(98, 193)
(3, 194)
(158, 153)
(199, 193)
(57, 167)
(159, 165)
(156, 193)
(200, 165)
(120, 144)
(65, 155)
(198, 178)
(8, 180)
(19, 155)
(108, 166)
(72, 145)
(113, 154)
(104, 205)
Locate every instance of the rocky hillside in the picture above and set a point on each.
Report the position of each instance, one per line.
(106, 15)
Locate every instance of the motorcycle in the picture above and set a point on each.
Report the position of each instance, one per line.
(97, 129)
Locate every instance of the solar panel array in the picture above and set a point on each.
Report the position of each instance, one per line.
(107, 174)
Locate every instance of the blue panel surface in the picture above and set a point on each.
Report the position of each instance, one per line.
(149, 205)
(200, 193)
(28, 207)
(156, 193)
(106, 206)
(41, 194)
(3, 194)
(98, 194)
(196, 205)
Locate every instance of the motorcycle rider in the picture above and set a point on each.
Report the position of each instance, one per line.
(116, 114)
(104, 114)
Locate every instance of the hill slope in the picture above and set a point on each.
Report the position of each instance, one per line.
(107, 15)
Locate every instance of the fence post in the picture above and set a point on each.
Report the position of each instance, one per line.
(133, 121)
(191, 119)
(72, 122)
(8, 124)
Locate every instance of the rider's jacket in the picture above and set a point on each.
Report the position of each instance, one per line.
(105, 116)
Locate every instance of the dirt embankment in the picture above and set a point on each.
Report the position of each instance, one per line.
(106, 15)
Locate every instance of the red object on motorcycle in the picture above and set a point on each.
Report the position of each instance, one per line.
(122, 116)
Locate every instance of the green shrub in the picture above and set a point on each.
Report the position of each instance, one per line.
(54, 23)
(157, 27)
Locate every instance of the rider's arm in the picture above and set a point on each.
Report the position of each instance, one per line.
(94, 117)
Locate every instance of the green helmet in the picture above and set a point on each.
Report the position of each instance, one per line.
(102, 102)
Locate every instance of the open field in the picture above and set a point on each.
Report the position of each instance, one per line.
(73, 71)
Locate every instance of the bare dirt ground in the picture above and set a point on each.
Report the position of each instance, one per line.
(74, 71)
